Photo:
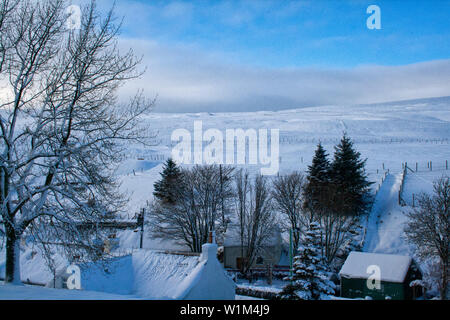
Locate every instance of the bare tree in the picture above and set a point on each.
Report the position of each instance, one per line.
(226, 195)
(428, 228)
(338, 235)
(255, 218)
(288, 195)
(61, 128)
(338, 231)
(201, 205)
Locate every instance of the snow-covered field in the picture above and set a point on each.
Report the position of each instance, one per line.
(386, 134)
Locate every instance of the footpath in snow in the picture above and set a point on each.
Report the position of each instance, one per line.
(386, 220)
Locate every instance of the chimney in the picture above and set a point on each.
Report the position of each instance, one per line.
(212, 237)
(209, 249)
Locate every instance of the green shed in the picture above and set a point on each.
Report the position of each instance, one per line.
(379, 276)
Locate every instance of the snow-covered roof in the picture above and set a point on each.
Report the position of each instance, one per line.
(157, 275)
(393, 268)
(232, 237)
(142, 273)
(146, 273)
(208, 280)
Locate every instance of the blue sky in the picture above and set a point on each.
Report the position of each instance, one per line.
(297, 33)
(223, 55)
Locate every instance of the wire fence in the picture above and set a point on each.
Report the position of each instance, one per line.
(401, 201)
(314, 140)
(430, 167)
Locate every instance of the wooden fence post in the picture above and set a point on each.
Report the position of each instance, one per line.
(269, 274)
(400, 200)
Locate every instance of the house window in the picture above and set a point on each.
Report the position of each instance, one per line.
(259, 260)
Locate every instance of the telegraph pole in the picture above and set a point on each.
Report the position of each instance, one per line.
(140, 222)
(290, 252)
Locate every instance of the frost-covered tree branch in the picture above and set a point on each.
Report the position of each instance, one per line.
(62, 130)
(428, 228)
(200, 204)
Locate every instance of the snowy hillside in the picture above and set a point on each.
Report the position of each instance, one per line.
(386, 134)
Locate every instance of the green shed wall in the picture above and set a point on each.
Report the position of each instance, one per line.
(357, 288)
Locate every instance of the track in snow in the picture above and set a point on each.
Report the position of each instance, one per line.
(386, 220)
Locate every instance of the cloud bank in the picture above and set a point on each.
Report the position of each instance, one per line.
(187, 79)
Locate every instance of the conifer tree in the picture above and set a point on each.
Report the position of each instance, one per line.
(165, 188)
(318, 177)
(348, 176)
(310, 278)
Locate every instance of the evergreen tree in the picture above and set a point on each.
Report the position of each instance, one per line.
(165, 188)
(310, 277)
(318, 177)
(349, 179)
(319, 169)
